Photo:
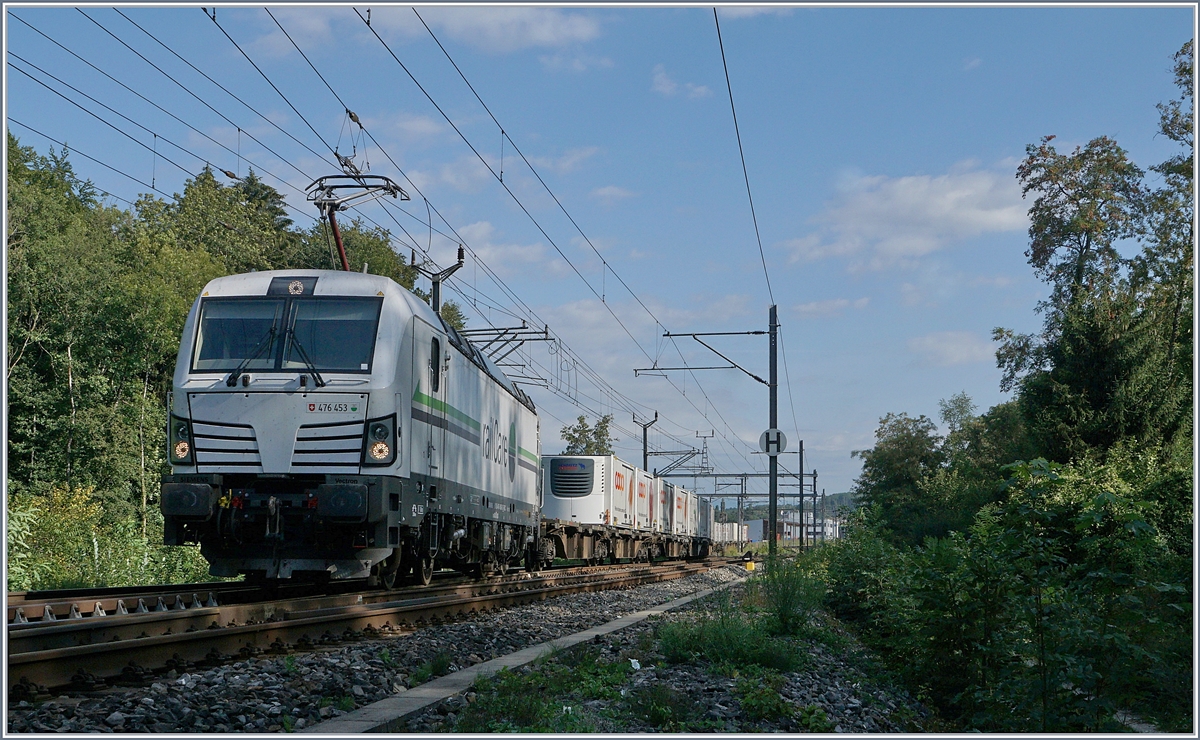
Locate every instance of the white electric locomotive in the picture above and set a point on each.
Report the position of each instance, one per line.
(331, 424)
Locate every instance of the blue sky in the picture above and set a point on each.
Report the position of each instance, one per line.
(881, 145)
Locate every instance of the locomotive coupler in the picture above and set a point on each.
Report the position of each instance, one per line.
(274, 520)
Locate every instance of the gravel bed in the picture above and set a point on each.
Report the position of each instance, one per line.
(277, 693)
(834, 681)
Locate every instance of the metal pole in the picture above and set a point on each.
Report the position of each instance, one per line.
(741, 496)
(773, 461)
(814, 506)
(645, 440)
(822, 515)
(803, 524)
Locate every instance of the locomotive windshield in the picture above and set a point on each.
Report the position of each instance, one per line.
(337, 334)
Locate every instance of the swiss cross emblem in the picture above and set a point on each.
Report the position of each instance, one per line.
(312, 407)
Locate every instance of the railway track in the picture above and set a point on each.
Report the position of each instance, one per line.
(90, 653)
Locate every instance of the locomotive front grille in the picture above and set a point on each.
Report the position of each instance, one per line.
(225, 446)
(333, 445)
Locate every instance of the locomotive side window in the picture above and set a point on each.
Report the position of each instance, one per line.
(235, 330)
(435, 362)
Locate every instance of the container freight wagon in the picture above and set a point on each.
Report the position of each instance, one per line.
(599, 508)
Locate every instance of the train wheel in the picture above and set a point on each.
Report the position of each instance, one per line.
(423, 570)
(389, 570)
(502, 566)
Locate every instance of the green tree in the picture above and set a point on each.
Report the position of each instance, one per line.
(906, 451)
(1113, 360)
(583, 439)
(1085, 202)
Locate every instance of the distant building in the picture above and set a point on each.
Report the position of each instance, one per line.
(791, 528)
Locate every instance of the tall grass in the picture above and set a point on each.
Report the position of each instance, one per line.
(729, 637)
(789, 591)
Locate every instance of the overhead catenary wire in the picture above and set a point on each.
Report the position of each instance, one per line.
(156, 135)
(102, 105)
(226, 91)
(347, 108)
(537, 224)
(753, 215)
(186, 89)
(173, 116)
(93, 159)
(213, 18)
(613, 395)
(194, 129)
(101, 120)
(742, 154)
(239, 128)
(504, 135)
(604, 387)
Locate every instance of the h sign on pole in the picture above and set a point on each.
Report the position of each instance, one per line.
(772, 442)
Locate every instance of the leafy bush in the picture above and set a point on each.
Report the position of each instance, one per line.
(813, 719)
(760, 698)
(664, 707)
(63, 539)
(439, 665)
(1053, 611)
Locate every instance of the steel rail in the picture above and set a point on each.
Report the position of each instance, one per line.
(80, 603)
(35, 636)
(212, 635)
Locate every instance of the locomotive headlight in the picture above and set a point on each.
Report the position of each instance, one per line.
(379, 441)
(180, 441)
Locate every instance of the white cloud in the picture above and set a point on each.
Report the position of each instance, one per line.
(835, 307)
(946, 348)
(610, 194)
(911, 295)
(570, 160)
(886, 221)
(661, 82)
(574, 62)
(309, 27)
(971, 63)
(406, 126)
(509, 28)
(466, 174)
(504, 259)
